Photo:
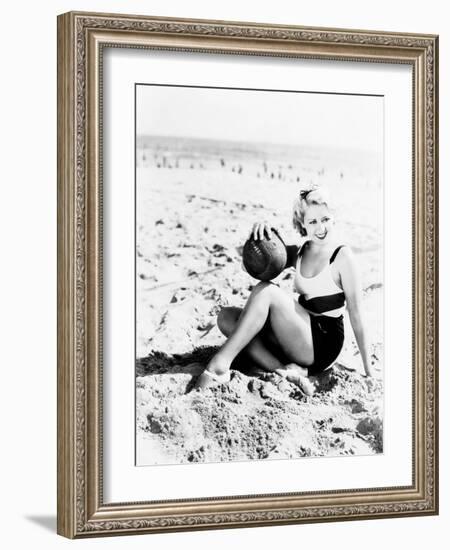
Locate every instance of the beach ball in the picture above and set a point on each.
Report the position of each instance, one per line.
(265, 259)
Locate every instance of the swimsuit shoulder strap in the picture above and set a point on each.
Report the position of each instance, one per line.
(292, 255)
(300, 252)
(335, 253)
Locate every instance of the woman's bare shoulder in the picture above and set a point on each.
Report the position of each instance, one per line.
(345, 251)
(345, 260)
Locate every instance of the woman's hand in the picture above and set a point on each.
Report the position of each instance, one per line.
(368, 371)
(372, 371)
(260, 230)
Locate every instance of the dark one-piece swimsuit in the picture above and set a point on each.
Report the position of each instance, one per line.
(327, 331)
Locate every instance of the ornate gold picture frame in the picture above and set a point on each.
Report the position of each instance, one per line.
(83, 39)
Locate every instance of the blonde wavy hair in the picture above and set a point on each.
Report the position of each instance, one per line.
(305, 198)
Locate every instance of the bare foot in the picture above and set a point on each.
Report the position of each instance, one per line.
(208, 379)
(298, 376)
(217, 372)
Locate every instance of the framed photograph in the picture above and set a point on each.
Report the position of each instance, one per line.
(247, 282)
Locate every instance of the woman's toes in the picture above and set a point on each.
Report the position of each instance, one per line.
(299, 376)
(303, 383)
(293, 370)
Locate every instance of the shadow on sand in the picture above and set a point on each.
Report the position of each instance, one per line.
(195, 361)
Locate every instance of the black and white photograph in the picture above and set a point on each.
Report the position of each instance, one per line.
(259, 274)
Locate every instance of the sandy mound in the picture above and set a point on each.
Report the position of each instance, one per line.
(257, 415)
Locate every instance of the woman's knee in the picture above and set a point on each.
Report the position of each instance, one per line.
(262, 285)
(268, 288)
(227, 319)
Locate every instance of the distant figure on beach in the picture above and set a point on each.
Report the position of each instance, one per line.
(302, 337)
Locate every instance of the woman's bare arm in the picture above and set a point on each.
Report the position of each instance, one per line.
(351, 284)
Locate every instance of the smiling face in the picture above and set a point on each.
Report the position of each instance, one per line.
(318, 223)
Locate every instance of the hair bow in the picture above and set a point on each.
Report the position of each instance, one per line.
(304, 193)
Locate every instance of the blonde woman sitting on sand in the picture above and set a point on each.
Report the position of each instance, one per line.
(302, 337)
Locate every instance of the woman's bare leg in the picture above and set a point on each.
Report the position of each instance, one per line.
(257, 349)
(289, 324)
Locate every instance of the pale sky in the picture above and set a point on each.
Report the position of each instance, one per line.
(330, 120)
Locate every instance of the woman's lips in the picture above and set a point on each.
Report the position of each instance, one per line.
(322, 235)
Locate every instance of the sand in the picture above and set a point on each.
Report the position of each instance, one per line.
(196, 203)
